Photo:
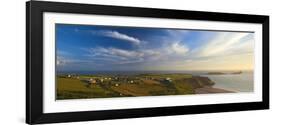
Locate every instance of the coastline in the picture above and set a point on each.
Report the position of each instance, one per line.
(205, 86)
(73, 86)
(210, 90)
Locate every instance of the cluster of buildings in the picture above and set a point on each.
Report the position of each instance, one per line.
(117, 80)
(109, 79)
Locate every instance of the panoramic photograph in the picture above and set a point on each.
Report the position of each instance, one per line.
(95, 61)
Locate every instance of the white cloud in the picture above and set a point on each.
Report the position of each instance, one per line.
(116, 52)
(220, 51)
(223, 44)
(174, 51)
(212, 54)
(121, 36)
(64, 61)
(116, 56)
(179, 49)
(225, 51)
(61, 61)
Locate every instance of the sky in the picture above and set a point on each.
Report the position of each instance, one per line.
(111, 48)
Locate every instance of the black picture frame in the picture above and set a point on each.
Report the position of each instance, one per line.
(34, 61)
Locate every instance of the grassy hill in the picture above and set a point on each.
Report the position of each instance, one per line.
(70, 88)
(79, 87)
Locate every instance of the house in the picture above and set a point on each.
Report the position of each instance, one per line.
(168, 80)
(92, 81)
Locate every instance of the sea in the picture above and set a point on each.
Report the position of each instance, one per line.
(243, 82)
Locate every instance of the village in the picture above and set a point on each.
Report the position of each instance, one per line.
(117, 80)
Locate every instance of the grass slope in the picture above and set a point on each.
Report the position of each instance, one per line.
(69, 88)
(146, 85)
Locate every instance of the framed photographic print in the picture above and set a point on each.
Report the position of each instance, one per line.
(95, 62)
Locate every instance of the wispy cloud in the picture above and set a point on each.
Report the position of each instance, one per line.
(62, 61)
(174, 51)
(223, 44)
(154, 49)
(113, 34)
(115, 55)
(114, 52)
(118, 35)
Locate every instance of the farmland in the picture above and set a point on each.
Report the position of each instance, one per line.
(108, 86)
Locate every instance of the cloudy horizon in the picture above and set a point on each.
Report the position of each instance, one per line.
(97, 48)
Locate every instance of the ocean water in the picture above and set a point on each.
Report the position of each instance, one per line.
(234, 82)
(243, 82)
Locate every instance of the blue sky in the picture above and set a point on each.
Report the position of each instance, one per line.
(98, 48)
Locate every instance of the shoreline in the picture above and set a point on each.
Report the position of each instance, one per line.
(102, 86)
(210, 90)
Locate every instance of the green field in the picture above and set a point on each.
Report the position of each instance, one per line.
(106, 86)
